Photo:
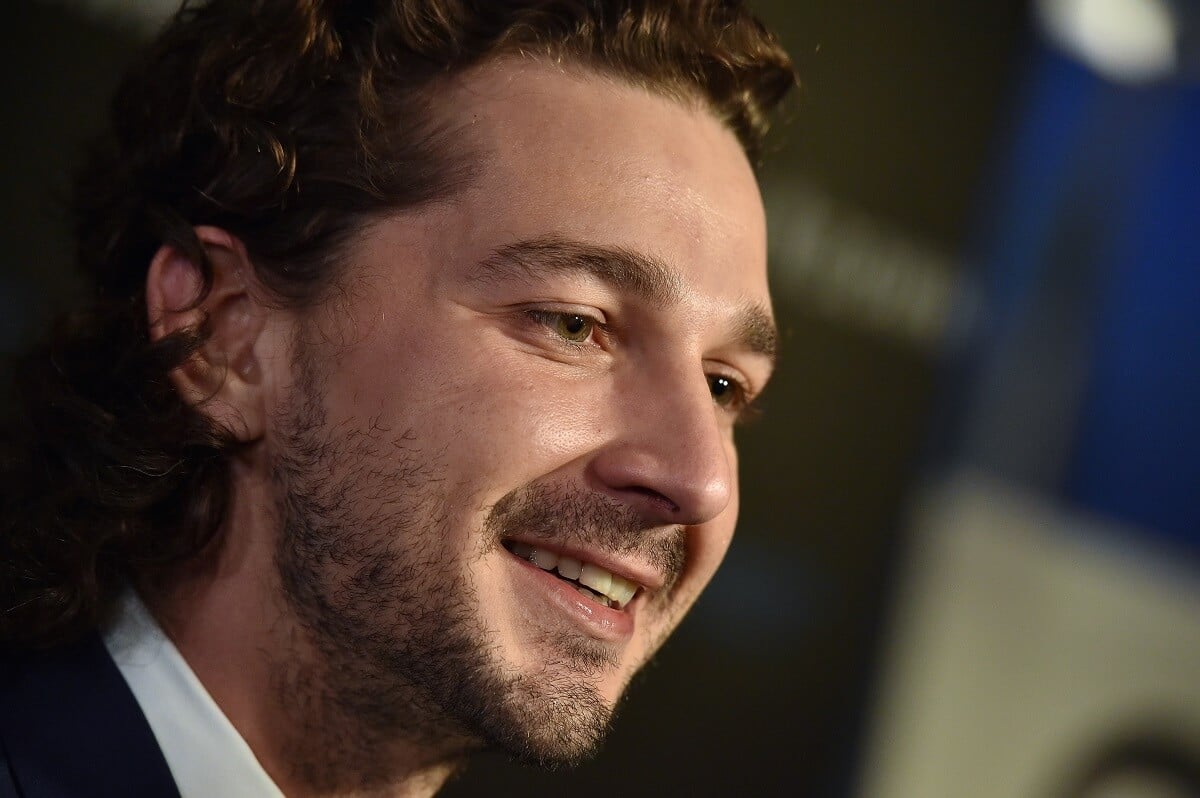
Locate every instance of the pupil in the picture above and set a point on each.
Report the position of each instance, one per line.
(574, 324)
(719, 386)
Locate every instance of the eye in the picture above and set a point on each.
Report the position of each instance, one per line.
(573, 328)
(727, 392)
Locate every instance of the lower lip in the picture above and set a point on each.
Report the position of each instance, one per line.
(597, 620)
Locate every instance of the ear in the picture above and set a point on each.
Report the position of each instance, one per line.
(224, 378)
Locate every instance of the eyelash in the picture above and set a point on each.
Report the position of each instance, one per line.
(549, 319)
(741, 406)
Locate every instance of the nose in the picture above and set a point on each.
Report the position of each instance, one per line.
(672, 458)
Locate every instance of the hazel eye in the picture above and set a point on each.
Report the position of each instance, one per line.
(572, 327)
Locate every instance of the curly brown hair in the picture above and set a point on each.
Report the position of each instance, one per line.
(291, 124)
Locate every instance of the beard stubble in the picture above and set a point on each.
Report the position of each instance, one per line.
(389, 646)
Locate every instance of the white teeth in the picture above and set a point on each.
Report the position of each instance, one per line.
(597, 579)
(606, 588)
(569, 567)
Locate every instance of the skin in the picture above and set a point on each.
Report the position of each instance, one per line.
(432, 395)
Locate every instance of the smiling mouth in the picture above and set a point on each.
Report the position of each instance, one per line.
(601, 586)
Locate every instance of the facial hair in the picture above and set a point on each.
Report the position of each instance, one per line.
(391, 646)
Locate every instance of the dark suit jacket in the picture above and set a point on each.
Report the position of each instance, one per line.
(71, 728)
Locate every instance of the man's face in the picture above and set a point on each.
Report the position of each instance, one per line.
(542, 373)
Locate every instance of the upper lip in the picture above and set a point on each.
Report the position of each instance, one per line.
(638, 572)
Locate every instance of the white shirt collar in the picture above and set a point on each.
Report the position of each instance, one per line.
(204, 751)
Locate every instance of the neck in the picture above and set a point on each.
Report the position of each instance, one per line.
(226, 614)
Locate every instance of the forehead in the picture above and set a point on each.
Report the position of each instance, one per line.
(575, 154)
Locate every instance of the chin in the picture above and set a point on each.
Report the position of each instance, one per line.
(551, 718)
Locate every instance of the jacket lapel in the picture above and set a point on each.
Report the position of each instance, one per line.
(71, 728)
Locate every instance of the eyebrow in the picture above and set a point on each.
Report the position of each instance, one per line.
(643, 275)
(756, 330)
(631, 271)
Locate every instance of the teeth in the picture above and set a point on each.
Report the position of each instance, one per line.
(621, 591)
(569, 567)
(605, 600)
(597, 579)
(606, 588)
(546, 560)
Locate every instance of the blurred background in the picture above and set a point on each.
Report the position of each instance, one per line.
(969, 557)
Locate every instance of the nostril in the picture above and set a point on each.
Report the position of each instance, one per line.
(672, 476)
(657, 499)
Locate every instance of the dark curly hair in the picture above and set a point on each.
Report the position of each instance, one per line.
(291, 124)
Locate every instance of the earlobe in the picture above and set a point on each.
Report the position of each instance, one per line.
(223, 378)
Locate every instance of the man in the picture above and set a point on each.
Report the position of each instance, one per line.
(401, 424)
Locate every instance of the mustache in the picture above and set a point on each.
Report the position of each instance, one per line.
(587, 518)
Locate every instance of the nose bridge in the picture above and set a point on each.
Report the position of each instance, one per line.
(672, 447)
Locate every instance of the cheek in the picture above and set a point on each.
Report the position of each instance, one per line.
(563, 426)
(528, 425)
(500, 418)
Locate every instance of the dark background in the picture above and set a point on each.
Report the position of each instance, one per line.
(765, 689)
